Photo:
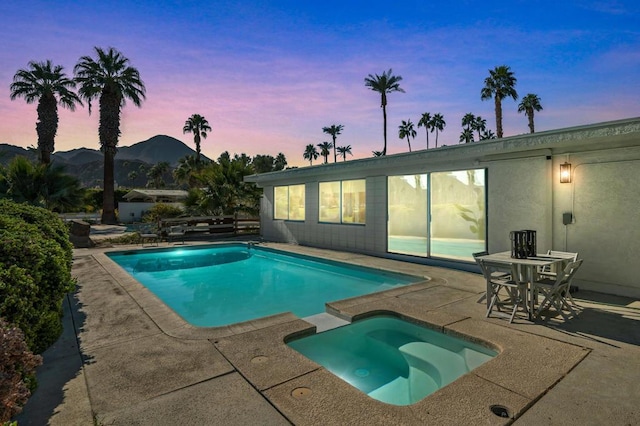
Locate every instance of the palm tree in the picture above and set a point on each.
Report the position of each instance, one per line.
(466, 136)
(325, 150)
(499, 85)
(479, 125)
(263, 163)
(132, 176)
(425, 121)
(43, 185)
(186, 171)
(334, 130)
(156, 174)
(112, 80)
(406, 130)
(383, 84)
(243, 158)
(468, 120)
(437, 123)
(49, 85)
(488, 134)
(280, 162)
(199, 126)
(310, 153)
(529, 104)
(343, 151)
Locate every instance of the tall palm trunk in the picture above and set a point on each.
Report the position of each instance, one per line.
(47, 126)
(498, 102)
(530, 117)
(335, 157)
(196, 139)
(384, 128)
(109, 131)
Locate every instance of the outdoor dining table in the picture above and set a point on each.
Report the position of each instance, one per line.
(527, 268)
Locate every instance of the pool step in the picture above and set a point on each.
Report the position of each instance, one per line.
(325, 321)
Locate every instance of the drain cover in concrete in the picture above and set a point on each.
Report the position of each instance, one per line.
(259, 359)
(300, 393)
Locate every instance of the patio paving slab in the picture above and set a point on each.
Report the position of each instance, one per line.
(127, 373)
(412, 308)
(224, 400)
(320, 398)
(527, 364)
(115, 315)
(262, 356)
(469, 403)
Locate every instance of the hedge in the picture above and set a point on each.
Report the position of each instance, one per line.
(35, 271)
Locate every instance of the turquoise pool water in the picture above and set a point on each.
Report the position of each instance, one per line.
(392, 360)
(219, 285)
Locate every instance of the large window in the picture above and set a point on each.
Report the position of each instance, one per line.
(289, 202)
(329, 202)
(439, 214)
(342, 201)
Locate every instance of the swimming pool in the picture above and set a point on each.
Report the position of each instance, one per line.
(392, 360)
(212, 286)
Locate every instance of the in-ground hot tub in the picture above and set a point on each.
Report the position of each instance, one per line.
(392, 360)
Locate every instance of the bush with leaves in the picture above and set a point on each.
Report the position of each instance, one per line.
(17, 370)
(35, 271)
(162, 211)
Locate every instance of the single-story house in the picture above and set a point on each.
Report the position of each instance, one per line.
(139, 201)
(578, 188)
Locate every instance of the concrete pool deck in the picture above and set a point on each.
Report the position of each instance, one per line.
(125, 358)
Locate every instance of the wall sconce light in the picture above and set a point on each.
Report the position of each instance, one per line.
(565, 172)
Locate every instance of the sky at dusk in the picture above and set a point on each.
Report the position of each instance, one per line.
(268, 75)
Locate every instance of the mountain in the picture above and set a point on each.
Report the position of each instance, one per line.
(7, 152)
(158, 148)
(77, 156)
(87, 164)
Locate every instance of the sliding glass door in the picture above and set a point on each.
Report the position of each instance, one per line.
(439, 214)
(407, 228)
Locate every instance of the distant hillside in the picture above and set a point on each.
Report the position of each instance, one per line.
(77, 156)
(87, 164)
(158, 148)
(7, 152)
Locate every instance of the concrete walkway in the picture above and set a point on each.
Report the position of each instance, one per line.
(126, 359)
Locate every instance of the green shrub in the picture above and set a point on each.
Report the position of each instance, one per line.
(17, 370)
(35, 271)
(162, 211)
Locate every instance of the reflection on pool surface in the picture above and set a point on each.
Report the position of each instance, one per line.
(224, 284)
(392, 360)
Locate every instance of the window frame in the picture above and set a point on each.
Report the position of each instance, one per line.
(340, 199)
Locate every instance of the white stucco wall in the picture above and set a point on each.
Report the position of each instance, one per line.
(604, 197)
(519, 197)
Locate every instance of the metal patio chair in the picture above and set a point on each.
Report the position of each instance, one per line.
(149, 235)
(176, 233)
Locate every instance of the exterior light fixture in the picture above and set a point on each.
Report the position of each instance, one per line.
(565, 172)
